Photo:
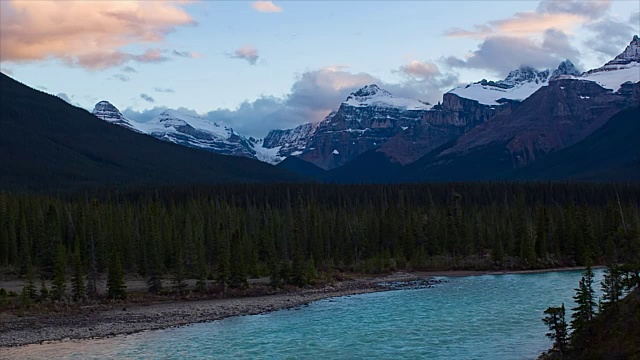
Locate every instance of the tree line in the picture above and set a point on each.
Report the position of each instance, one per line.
(292, 233)
(571, 340)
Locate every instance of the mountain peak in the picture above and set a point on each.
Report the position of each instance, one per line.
(373, 95)
(630, 54)
(369, 90)
(107, 112)
(566, 68)
(525, 74)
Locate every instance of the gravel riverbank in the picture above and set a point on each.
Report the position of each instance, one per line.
(87, 323)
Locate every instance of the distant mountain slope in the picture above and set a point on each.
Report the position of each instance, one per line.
(190, 131)
(303, 168)
(610, 153)
(48, 144)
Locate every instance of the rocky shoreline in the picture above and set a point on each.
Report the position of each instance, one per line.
(90, 324)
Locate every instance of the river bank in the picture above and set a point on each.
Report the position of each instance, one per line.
(120, 319)
(91, 322)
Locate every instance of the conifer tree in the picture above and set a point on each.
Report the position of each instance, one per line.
(611, 286)
(116, 287)
(223, 262)
(178, 276)
(44, 292)
(77, 280)
(59, 284)
(585, 299)
(30, 285)
(555, 320)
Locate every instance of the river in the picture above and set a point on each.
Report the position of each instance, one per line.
(476, 317)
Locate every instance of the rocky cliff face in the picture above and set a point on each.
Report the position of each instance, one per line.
(367, 119)
(439, 126)
(289, 142)
(553, 118)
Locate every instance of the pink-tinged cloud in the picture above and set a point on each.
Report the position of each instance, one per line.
(246, 52)
(90, 34)
(266, 6)
(561, 15)
(521, 24)
(419, 69)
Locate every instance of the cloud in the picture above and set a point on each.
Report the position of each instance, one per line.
(164, 90)
(186, 54)
(418, 69)
(634, 19)
(89, 34)
(266, 6)
(561, 15)
(592, 9)
(312, 96)
(502, 54)
(246, 52)
(610, 35)
(64, 97)
(121, 77)
(147, 98)
(521, 24)
(129, 69)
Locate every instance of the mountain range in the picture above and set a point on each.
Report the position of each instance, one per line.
(50, 145)
(531, 125)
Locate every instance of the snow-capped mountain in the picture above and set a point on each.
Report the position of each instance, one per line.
(290, 141)
(561, 113)
(109, 113)
(518, 85)
(373, 96)
(191, 131)
(365, 120)
(623, 68)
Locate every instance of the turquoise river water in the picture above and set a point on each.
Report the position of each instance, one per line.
(476, 317)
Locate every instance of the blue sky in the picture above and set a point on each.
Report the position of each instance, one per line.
(258, 70)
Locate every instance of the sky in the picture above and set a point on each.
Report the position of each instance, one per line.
(262, 65)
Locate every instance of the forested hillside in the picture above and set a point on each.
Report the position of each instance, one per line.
(47, 144)
(230, 232)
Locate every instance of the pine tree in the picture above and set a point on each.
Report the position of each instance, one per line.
(178, 276)
(223, 262)
(555, 320)
(30, 285)
(44, 292)
(585, 298)
(611, 286)
(59, 284)
(77, 280)
(116, 287)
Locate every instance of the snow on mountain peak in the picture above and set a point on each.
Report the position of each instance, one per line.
(372, 95)
(518, 85)
(106, 111)
(566, 68)
(630, 54)
(524, 74)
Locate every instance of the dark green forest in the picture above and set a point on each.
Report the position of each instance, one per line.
(295, 232)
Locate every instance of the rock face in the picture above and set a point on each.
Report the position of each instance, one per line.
(438, 126)
(367, 119)
(553, 118)
(630, 55)
(289, 142)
